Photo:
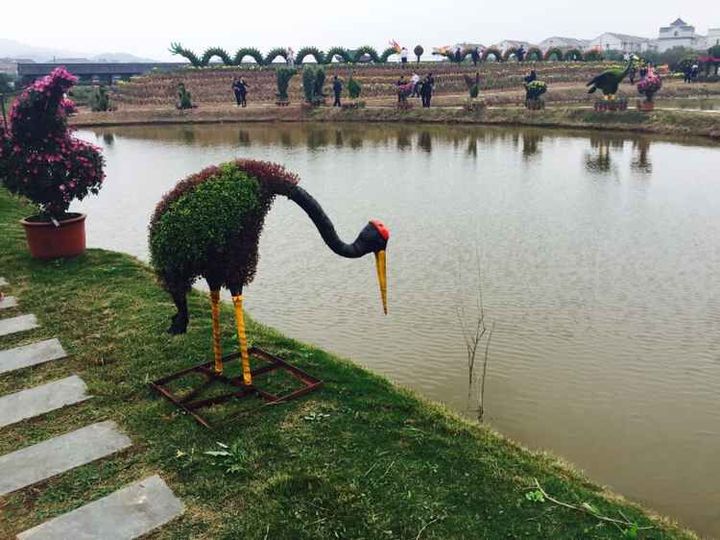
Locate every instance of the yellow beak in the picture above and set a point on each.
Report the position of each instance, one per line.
(380, 263)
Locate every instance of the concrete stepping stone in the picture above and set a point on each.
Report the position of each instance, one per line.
(42, 399)
(49, 458)
(7, 302)
(3, 282)
(31, 355)
(127, 513)
(20, 323)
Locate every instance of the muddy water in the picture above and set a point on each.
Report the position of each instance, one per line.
(597, 257)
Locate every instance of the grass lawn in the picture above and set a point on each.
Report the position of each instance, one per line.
(358, 459)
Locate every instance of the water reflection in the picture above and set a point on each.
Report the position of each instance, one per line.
(602, 151)
(604, 293)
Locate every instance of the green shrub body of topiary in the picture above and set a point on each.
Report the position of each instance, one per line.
(210, 223)
(283, 81)
(205, 222)
(316, 53)
(354, 88)
(99, 99)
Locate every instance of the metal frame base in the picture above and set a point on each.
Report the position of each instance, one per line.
(190, 405)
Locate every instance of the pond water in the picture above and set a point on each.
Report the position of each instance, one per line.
(597, 256)
(697, 103)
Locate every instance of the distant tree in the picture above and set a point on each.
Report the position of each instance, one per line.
(418, 50)
(674, 57)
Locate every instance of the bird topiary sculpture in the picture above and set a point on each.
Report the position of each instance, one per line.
(209, 226)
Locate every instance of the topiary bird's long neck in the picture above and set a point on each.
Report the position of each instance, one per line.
(324, 226)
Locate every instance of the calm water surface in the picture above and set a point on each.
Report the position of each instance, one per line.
(597, 255)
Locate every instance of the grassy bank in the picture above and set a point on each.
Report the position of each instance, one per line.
(358, 459)
(665, 122)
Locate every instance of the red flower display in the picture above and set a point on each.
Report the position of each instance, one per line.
(39, 157)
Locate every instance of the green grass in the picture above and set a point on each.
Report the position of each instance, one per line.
(358, 459)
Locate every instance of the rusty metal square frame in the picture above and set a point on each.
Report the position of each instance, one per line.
(188, 403)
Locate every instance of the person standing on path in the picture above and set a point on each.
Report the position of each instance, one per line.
(403, 56)
(415, 80)
(236, 91)
(427, 89)
(337, 90)
(242, 87)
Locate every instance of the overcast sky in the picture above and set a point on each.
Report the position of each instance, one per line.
(146, 28)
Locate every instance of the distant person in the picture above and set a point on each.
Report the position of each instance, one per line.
(243, 88)
(520, 54)
(458, 54)
(475, 56)
(643, 71)
(337, 90)
(427, 90)
(403, 56)
(290, 57)
(632, 74)
(415, 80)
(236, 91)
(694, 72)
(402, 94)
(530, 77)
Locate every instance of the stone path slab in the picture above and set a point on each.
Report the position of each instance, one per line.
(7, 302)
(41, 399)
(60, 454)
(31, 355)
(128, 513)
(3, 282)
(17, 324)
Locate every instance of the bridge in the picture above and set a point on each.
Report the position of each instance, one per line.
(105, 72)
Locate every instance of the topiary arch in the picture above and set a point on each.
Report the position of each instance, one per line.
(491, 50)
(366, 49)
(534, 54)
(212, 52)
(387, 53)
(252, 52)
(316, 53)
(573, 55)
(274, 53)
(509, 52)
(593, 56)
(337, 51)
(554, 52)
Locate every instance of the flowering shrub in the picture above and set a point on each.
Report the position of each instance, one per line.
(39, 158)
(650, 85)
(535, 89)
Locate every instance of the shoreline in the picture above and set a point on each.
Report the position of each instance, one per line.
(659, 122)
(464, 477)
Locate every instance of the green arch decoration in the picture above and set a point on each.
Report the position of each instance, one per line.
(534, 54)
(337, 51)
(573, 55)
(509, 52)
(366, 49)
(179, 50)
(219, 52)
(554, 51)
(593, 56)
(492, 50)
(387, 53)
(274, 53)
(252, 52)
(316, 53)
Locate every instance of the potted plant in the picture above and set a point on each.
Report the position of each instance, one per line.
(533, 91)
(648, 87)
(41, 160)
(283, 81)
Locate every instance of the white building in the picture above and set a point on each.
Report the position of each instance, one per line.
(611, 41)
(713, 37)
(564, 43)
(679, 34)
(506, 44)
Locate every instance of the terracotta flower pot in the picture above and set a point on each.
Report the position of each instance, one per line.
(46, 241)
(645, 106)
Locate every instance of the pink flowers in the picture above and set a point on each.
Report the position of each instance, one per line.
(650, 85)
(39, 158)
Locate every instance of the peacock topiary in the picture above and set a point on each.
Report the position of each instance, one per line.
(354, 88)
(100, 99)
(609, 81)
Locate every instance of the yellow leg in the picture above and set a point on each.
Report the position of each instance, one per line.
(247, 376)
(215, 309)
